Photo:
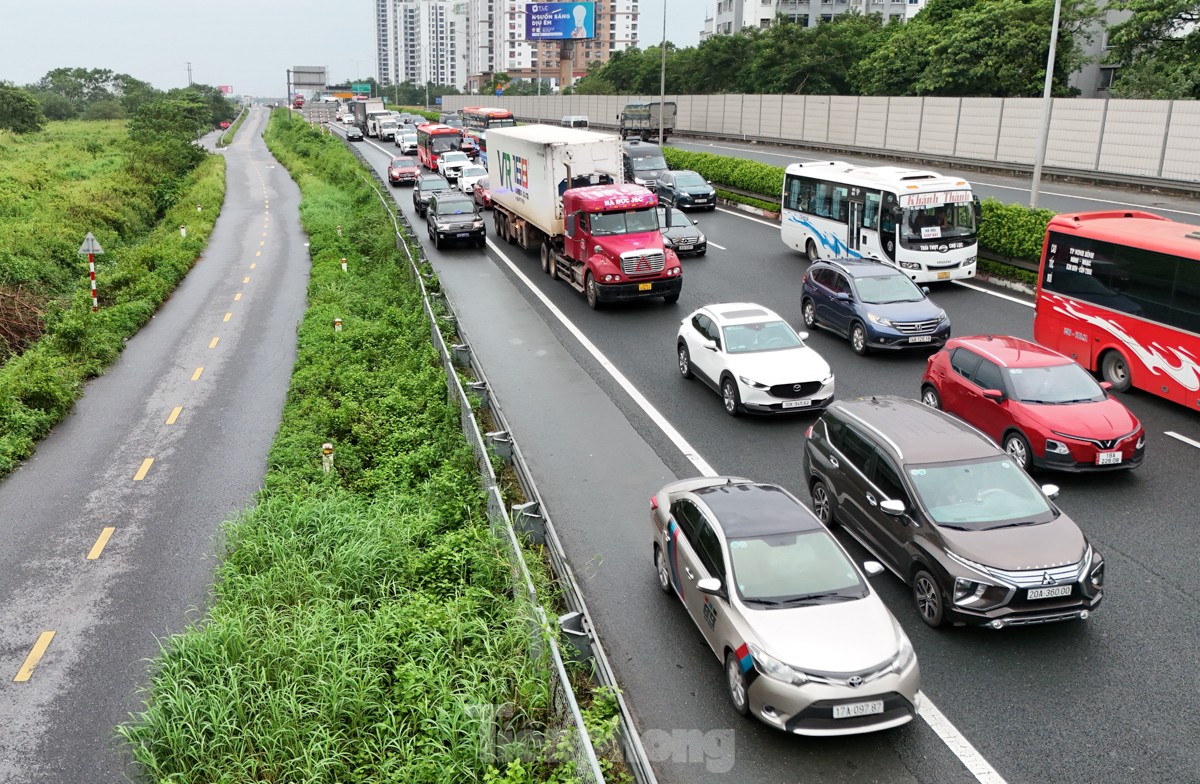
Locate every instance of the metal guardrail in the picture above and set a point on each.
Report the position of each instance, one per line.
(531, 520)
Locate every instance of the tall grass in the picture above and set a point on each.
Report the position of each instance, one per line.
(361, 618)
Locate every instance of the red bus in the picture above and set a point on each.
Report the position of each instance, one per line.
(1120, 293)
(480, 118)
(433, 140)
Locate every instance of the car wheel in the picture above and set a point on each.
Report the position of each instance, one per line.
(928, 598)
(730, 396)
(1018, 449)
(858, 339)
(685, 361)
(593, 297)
(810, 250)
(1115, 370)
(930, 396)
(663, 568)
(823, 504)
(437, 240)
(735, 682)
(808, 312)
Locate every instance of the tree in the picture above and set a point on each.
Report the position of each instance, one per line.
(19, 111)
(163, 132)
(1158, 49)
(55, 106)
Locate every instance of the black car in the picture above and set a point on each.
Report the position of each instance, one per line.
(353, 134)
(425, 188)
(452, 217)
(685, 189)
(644, 162)
(680, 233)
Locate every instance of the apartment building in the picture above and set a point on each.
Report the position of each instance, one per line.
(730, 16)
(422, 40)
(496, 41)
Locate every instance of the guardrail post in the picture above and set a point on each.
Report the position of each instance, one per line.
(481, 388)
(579, 639)
(461, 353)
(527, 519)
(501, 444)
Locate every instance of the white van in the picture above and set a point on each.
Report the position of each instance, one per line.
(574, 121)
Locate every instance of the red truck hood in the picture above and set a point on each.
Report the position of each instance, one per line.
(616, 244)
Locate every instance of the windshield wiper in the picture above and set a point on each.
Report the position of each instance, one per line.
(955, 527)
(768, 602)
(815, 597)
(1012, 525)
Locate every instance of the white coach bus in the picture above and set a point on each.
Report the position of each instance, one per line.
(921, 222)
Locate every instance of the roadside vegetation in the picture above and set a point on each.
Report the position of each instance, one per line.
(227, 137)
(364, 623)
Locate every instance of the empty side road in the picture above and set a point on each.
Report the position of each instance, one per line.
(111, 530)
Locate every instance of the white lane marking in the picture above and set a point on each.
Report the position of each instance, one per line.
(982, 290)
(676, 437)
(715, 245)
(937, 721)
(973, 182)
(1184, 439)
(748, 217)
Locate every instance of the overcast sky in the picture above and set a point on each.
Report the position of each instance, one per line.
(248, 44)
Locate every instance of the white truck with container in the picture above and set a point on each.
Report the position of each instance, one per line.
(560, 191)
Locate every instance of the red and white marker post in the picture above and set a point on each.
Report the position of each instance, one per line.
(91, 248)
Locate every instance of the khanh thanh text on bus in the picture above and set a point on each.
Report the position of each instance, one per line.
(921, 222)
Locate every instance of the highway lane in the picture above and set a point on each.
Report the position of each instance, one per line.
(1056, 703)
(111, 529)
(1053, 195)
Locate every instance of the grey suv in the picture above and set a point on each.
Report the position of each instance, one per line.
(950, 514)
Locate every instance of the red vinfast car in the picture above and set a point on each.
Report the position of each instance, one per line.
(1041, 407)
(482, 194)
(403, 170)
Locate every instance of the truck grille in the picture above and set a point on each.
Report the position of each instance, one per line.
(915, 327)
(636, 262)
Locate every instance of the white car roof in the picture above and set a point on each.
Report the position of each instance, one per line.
(741, 313)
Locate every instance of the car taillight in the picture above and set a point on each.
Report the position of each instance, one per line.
(653, 504)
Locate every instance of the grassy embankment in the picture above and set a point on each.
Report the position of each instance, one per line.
(361, 617)
(55, 187)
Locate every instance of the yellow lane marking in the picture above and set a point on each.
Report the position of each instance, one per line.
(237, 297)
(196, 375)
(35, 656)
(141, 474)
(264, 234)
(175, 412)
(246, 279)
(263, 242)
(213, 343)
(98, 547)
(227, 317)
(252, 265)
(256, 253)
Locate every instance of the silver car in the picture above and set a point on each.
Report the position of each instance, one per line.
(807, 646)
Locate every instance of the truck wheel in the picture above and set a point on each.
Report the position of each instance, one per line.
(545, 258)
(1115, 370)
(671, 299)
(496, 219)
(589, 287)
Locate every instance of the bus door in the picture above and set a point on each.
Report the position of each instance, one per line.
(869, 236)
(854, 221)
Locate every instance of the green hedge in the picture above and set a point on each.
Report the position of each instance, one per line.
(753, 176)
(1013, 230)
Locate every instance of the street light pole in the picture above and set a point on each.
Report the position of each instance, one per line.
(1047, 103)
(662, 79)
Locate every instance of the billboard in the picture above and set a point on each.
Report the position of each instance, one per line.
(225, 89)
(559, 21)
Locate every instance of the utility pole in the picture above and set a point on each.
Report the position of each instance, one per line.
(662, 80)
(1047, 104)
(189, 66)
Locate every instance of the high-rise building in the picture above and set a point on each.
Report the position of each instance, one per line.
(496, 41)
(422, 40)
(731, 16)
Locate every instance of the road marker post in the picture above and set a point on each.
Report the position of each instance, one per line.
(91, 248)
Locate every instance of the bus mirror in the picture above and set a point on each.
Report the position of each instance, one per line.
(978, 208)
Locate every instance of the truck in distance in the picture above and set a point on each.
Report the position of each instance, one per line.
(642, 120)
(561, 191)
(364, 109)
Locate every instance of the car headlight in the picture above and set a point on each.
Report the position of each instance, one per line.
(478, 223)
(941, 316)
(1096, 576)
(1141, 442)
(1057, 447)
(970, 261)
(904, 650)
(670, 243)
(441, 226)
(978, 595)
(750, 383)
(880, 320)
(828, 379)
(913, 265)
(773, 668)
(702, 239)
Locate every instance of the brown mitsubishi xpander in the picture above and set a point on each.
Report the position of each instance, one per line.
(950, 514)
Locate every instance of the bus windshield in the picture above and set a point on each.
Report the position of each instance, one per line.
(440, 144)
(628, 222)
(941, 222)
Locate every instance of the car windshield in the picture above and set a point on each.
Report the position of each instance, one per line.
(474, 171)
(628, 222)
(947, 220)
(689, 180)
(409, 137)
(402, 163)
(648, 163)
(1067, 383)
(455, 207)
(793, 568)
(760, 336)
(434, 183)
(483, 183)
(455, 157)
(678, 219)
(993, 493)
(882, 289)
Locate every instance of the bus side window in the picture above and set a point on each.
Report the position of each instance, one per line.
(840, 207)
(871, 210)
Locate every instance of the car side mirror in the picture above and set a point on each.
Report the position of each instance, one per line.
(695, 223)
(843, 296)
(995, 395)
(872, 568)
(1051, 491)
(925, 290)
(597, 249)
(712, 587)
(711, 345)
(1106, 385)
(892, 507)
(802, 335)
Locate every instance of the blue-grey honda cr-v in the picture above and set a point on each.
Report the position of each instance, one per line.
(872, 304)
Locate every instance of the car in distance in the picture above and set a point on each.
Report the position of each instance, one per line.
(470, 175)
(1041, 407)
(403, 169)
(875, 305)
(425, 188)
(954, 517)
(452, 217)
(407, 142)
(450, 164)
(354, 134)
(680, 233)
(806, 644)
(482, 193)
(686, 189)
(468, 146)
(753, 359)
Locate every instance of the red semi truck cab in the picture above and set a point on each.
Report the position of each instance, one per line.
(612, 246)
